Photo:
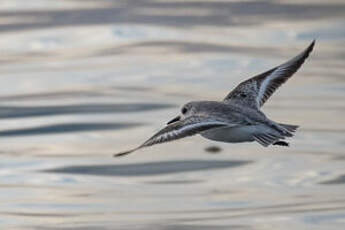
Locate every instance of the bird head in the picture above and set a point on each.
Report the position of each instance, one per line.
(187, 110)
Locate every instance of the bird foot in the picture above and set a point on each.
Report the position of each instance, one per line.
(281, 143)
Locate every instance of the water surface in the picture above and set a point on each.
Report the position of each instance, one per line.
(81, 80)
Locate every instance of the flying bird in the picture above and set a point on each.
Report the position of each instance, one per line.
(237, 118)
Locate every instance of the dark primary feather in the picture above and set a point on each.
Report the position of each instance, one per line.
(255, 91)
(187, 127)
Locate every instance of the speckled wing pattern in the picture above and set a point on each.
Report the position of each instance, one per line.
(255, 91)
(187, 127)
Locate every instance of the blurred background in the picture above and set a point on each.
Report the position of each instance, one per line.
(81, 80)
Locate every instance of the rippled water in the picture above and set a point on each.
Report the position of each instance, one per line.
(81, 80)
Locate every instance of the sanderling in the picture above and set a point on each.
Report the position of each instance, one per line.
(237, 118)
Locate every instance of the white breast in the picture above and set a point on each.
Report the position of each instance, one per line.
(231, 134)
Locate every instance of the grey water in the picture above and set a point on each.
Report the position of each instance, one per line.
(81, 80)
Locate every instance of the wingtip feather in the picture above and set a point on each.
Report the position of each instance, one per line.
(311, 46)
(124, 153)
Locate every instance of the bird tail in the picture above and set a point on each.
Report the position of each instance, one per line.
(290, 128)
(275, 138)
(285, 129)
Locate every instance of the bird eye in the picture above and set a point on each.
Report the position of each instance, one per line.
(243, 95)
(184, 110)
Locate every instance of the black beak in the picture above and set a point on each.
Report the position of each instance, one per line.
(174, 120)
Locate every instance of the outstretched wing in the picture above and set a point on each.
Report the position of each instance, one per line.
(187, 127)
(255, 91)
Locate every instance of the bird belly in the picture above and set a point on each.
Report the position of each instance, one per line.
(231, 134)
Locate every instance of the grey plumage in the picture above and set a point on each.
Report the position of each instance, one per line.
(255, 91)
(238, 117)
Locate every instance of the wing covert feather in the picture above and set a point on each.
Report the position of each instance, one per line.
(187, 127)
(255, 91)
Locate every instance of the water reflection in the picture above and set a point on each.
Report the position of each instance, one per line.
(66, 128)
(216, 13)
(156, 226)
(339, 180)
(34, 111)
(188, 47)
(146, 169)
(81, 80)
